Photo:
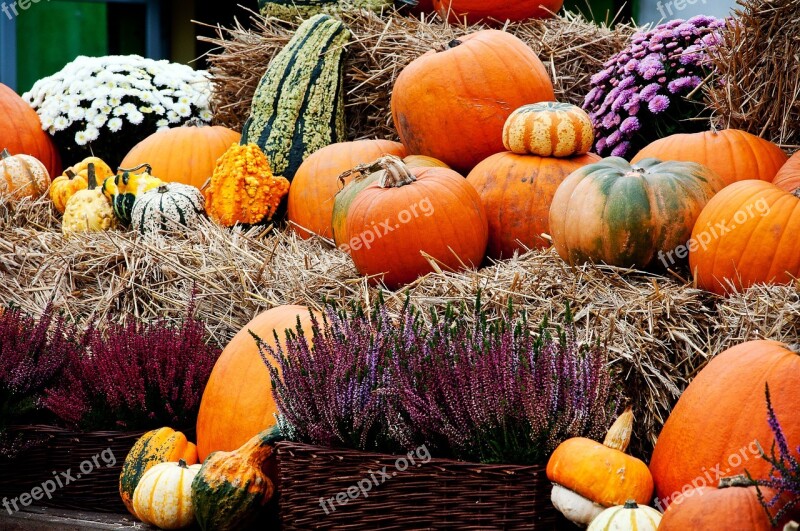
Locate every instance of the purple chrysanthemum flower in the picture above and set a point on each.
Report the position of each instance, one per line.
(658, 104)
(629, 125)
(649, 92)
(684, 84)
(621, 150)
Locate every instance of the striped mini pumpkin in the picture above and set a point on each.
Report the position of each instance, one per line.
(298, 106)
(167, 206)
(628, 517)
(549, 129)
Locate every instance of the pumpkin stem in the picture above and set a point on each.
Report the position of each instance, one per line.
(452, 44)
(619, 434)
(148, 169)
(162, 189)
(736, 481)
(631, 504)
(395, 172)
(796, 193)
(69, 173)
(195, 121)
(5, 154)
(91, 177)
(182, 463)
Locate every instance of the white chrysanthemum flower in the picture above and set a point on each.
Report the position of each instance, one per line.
(183, 110)
(114, 101)
(129, 107)
(173, 117)
(107, 109)
(184, 100)
(145, 109)
(60, 123)
(91, 114)
(92, 133)
(206, 115)
(80, 138)
(115, 124)
(135, 117)
(159, 109)
(100, 120)
(76, 113)
(119, 111)
(162, 124)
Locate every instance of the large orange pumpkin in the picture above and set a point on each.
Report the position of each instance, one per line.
(721, 418)
(237, 403)
(317, 181)
(788, 177)
(409, 212)
(185, 154)
(496, 10)
(516, 191)
(733, 154)
(452, 103)
(747, 234)
(21, 132)
(734, 505)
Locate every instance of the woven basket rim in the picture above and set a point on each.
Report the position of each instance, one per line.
(440, 461)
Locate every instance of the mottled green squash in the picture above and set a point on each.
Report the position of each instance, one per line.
(123, 189)
(639, 215)
(298, 106)
(232, 487)
(154, 447)
(305, 8)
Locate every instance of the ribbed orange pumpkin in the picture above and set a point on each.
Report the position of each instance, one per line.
(237, 402)
(747, 234)
(734, 505)
(788, 177)
(516, 191)
(22, 176)
(185, 154)
(411, 211)
(549, 129)
(452, 103)
(718, 419)
(496, 10)
(733, 154)
(21, 131)
(317, 181)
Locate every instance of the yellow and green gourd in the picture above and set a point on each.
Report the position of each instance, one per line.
(88, 210)
(123, 188)
(298, 106)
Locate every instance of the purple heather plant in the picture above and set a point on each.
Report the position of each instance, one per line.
(489, 391)
(645, 91)
(784, 477)
(135, 375)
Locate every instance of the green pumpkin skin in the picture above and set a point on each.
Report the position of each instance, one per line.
(630, 215)
(298, 106)
(231, 487)
(288, 9)
(168, 206)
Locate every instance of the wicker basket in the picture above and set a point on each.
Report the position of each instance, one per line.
(55, 450)
(440, 494)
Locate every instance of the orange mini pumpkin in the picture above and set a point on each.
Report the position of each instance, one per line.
(549, 129)
(452, 103)
(788, 177)
(22, 176)
(589, 477)
(410, 214)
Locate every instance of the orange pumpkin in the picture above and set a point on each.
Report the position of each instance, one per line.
(185, 154)
(733, 154)
(499, 11)
(317, 181)
(22, 176)
(589, 477)
(452, 103)
(788, 177)
(549, 129)
(746, 235)
(22, 133)
(734, 505)
(516, 191)
(721, 418)
(237, 403)
(411, 212)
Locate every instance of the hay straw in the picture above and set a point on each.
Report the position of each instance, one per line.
(659, 331)
(757, 63)
(572, 49)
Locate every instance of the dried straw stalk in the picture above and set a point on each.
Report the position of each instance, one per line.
(572, 49)
(660, 331)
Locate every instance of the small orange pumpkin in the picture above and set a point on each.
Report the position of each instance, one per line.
(549, 129)
(22, 176)
(788, 177)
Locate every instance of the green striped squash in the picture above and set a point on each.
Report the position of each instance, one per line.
(298, 106)
(167, 207)
(287, 9)
(639, 215)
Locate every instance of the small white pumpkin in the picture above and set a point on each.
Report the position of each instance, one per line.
(163, 496)
(167, 207)
(628, 517)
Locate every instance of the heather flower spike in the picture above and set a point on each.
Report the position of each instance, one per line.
(653, 82)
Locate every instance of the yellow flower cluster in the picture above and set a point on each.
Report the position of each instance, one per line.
(242, 188)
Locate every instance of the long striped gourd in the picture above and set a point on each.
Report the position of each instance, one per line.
(298, 106)
(287, 9)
